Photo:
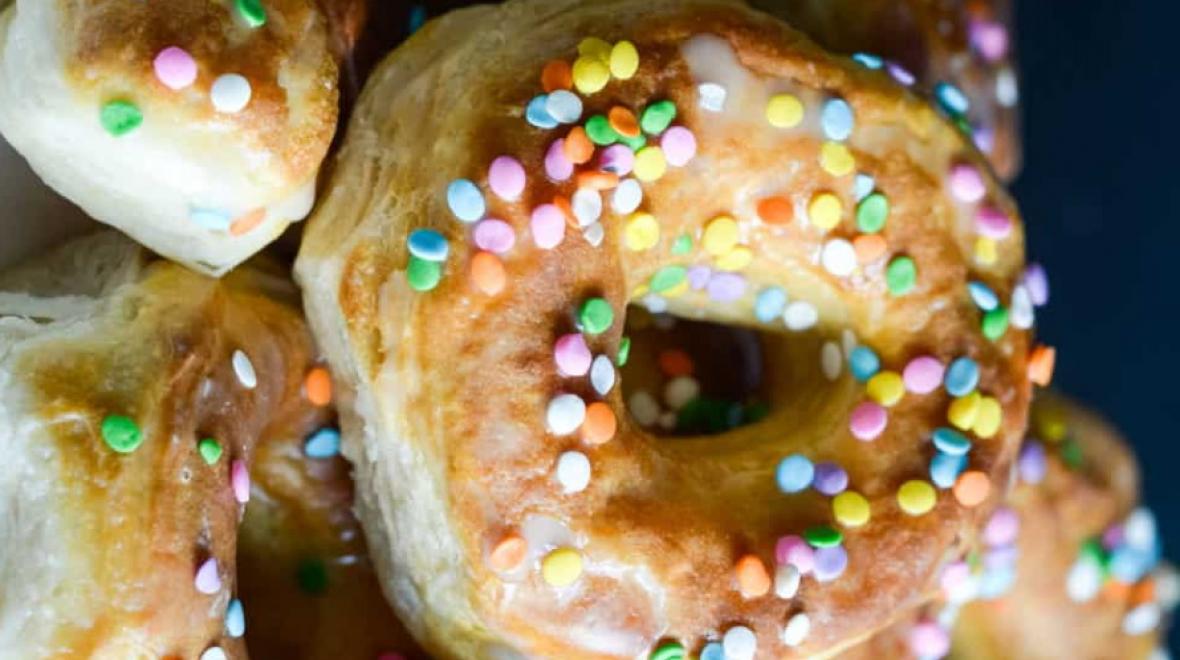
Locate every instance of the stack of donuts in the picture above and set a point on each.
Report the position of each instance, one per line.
(617, 329)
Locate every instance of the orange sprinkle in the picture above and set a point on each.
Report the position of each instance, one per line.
(869, 247)
(318, 386)
(600, 424)
(1143, 592)
(487, 272)
(776, 210)
(1041, 363)
(1117, 590)
(675, 362)
(597, 180)
(577, 146)
(556, 75)
(563, 204)
(247, 222)
(752, 578)
(972, 488)
(508, 553)
(623, 121)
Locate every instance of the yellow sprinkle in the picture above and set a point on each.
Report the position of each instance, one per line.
(985, 251)
(642, 232)
(640, 291)
(916, 497)
(825, 210)
(784, 111)
(886, 388)
(721, 235)
(676, 291)
(562, 567)
(963, 411)
(650, 164)
(836, 159)
(1051, 423)
(736, 259)
(624, 60)
(987, 423)
(590, 75)
(851, 509)
(596, 48)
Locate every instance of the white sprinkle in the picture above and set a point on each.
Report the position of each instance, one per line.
(628, 196)
(796, 630)
(644, 408)
(1167, 586)
(230, 93)
(587, 206)
(1007, 91)
(680, 390)
(1139, 530)
(1084, 580)
(831, 360)
(1021, 313)
(839, 257)
(862, 186)
(1142, 620)
(573, 471)
(786, 581)
(602, 375)
(564, 106)
(214, 653)
(668, 420)
(800, 315)
(712, 96)
(594, 234)
(739, 643)
(655, 304)
(565, 414)
(848, 342)
(244, 370)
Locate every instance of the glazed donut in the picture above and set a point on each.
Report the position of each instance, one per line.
(960, 51)
(133, 393)
(512, 179)
(196, 127)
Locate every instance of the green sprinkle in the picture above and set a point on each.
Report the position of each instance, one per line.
(1092, 550)
(209, 450)
(667, 278)
(872, 212)
(312, 577)
(120, 117)
(422, 274)
(900, 275)
(668, 651)
(1071, 454)
(756, 412)
(596, 316)
(624, 352)
(822, 536)
(657, 117)
(121, 434)
(682, 245)
(635, 143)
(599, 130)
(995, 323)
(252, 12)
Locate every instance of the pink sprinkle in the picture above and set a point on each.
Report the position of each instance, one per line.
(929, 640)
(572, 355)
(506, 178)
(698, 277)
(679, 145)
(967, 184)
(1002, 528)
(239, 480)
(557, 166)
(993, 223)
(495, 236)
(548, 225)
(990, 39)
(175, 68)
(617, 158)
(207, 580)
(955, 579)
(868, 421)
(1113, 536)
(795, 551)
(923, 374)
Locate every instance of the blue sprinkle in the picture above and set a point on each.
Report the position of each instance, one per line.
(962, 377)
(564, 106)
(324, 443)
(417, 17)
(996, 582)
(235, 619)
(770, 304)
(1129, 564)
(213, 219)
(862, 186)
(465, 200)
(837, 119)
(983, 296)
(951, 98)
(868, 61)
(428, 245)
(794, 473)
(712, 651)
(863, 363)
(951, 442)
(945, 469)
(537, 115)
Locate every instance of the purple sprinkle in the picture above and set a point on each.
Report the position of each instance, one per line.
(495, 236)
(1002, 557)
(698, 277)
(899, 73)
(830, 563)
(1113, 537)
(617, 158)
(1002, 528)
(1032, 462)
(726, 287)
(985, 138)
(830, 479)
(990, 39)
(1037, 283)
